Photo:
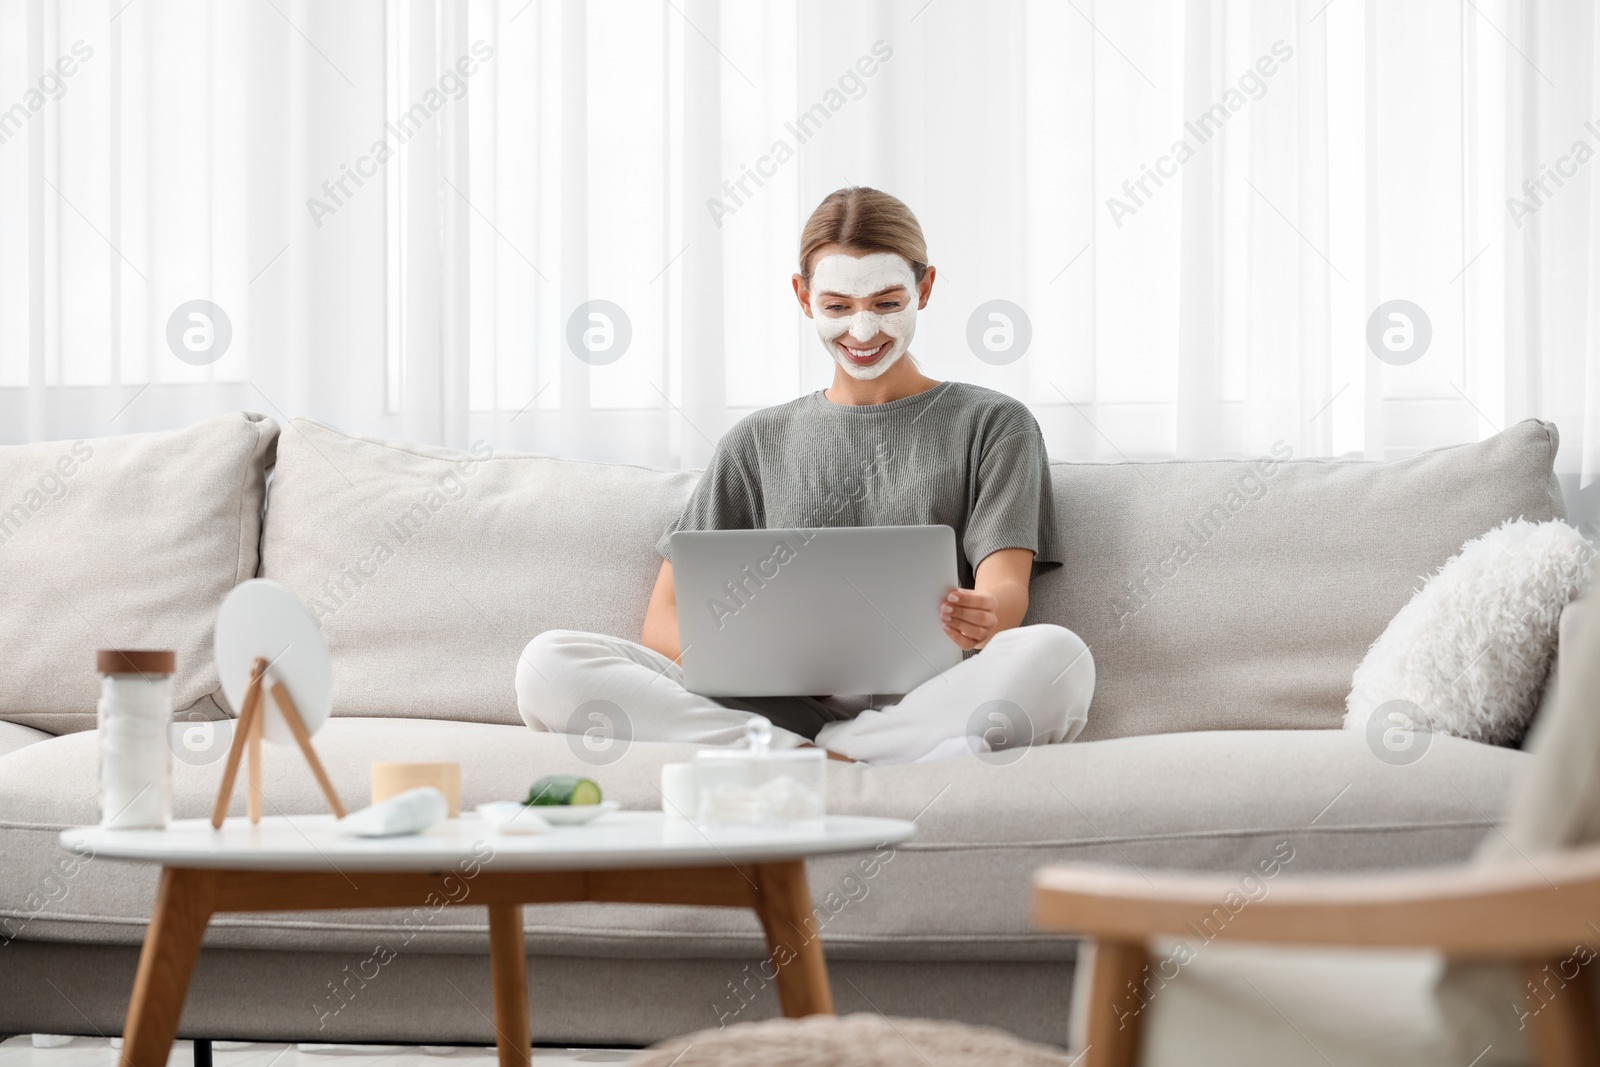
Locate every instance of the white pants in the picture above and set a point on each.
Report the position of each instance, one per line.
(1030, 686)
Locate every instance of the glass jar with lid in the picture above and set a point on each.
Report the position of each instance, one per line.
(134, 714)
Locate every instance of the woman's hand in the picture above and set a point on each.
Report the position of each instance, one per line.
(970, 618)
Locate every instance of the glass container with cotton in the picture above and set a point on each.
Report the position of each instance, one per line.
(134, 714)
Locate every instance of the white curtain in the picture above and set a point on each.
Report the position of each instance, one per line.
(1197, 206)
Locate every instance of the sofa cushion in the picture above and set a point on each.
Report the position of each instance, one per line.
(1235, 594)
(429, 569)
(123, 542)
(1218, 800)
(13, 737)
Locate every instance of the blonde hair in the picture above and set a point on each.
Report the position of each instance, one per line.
(864, 220)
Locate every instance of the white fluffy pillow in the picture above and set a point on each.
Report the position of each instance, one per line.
(1472, 648)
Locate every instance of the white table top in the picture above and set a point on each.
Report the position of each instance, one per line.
(619, 840)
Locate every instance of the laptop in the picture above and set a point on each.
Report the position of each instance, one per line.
(817, 612)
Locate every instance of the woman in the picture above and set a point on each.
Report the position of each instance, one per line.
(884, 445)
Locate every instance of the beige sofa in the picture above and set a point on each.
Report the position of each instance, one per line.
(1226, 604)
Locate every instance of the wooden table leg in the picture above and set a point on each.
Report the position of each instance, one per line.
(1115, 1016)
(1564, 1030)
(184, 902)
(508, 968)
(783, 902)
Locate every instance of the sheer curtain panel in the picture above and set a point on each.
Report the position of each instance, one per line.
(1190, 227)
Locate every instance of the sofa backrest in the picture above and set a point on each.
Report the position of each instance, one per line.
(123, 542)
(1212, 594)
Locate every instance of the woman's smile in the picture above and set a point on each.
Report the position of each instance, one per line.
(863, 357)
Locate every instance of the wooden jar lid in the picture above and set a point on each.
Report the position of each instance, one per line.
(135, 661)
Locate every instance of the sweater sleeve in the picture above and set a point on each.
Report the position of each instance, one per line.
(1014, 506)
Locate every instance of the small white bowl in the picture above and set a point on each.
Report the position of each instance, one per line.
(512, 817)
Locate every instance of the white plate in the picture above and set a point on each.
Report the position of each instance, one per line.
(574, 814)
(512, 817)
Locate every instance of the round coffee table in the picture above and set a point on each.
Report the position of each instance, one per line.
(295, 863)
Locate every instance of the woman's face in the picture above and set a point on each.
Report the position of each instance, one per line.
(865, 307)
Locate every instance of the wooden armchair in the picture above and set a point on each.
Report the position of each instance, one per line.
(1529, 898)
(1529, 914)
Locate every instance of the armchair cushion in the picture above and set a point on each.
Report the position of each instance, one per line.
(1555, 805)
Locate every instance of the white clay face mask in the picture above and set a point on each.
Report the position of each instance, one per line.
(859, 277)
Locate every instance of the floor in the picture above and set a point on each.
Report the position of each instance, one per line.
(97, 1052)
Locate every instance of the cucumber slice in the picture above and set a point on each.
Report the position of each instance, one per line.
(563, 789)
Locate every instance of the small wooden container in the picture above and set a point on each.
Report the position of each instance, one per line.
(391, 779)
